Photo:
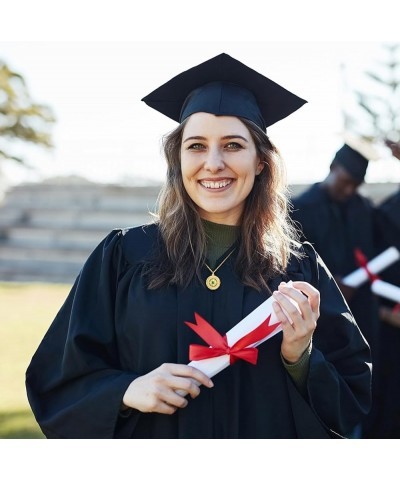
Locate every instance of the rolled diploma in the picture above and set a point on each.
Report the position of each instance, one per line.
(212, 366)
(387, 290)
(376, 265)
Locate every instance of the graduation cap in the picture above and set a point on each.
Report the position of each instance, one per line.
(224, 86)
(355, 155)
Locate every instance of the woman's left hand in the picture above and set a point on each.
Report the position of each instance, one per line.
(297, 326)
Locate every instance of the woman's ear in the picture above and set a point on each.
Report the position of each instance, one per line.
(260, 167)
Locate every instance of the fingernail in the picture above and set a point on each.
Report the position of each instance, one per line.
(210, 384)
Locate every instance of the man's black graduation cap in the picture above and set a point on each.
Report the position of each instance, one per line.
(352, 161)
(224, 86)
(355, 155)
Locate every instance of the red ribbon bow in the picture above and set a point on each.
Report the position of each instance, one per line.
(218, 344)
(362, 261)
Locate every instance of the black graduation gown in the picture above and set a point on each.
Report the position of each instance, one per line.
(335, 240)
(388, 416)
(335, 231)
(112, 329)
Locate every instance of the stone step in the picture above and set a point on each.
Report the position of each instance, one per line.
(82, 197)
(10, 216)
(61, 265)
(65, 218)
(45, 271)
(62, 256)
(72, 219)
(25, 237)
(25, 276)
(27, 273)
(87, 186)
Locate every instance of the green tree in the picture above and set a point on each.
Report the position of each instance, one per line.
(377, 115)
(21, 119)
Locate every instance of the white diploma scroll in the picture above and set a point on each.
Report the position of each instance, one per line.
(386, 290)
(212, 366)
(376, 265)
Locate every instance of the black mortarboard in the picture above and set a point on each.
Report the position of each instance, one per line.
(352, 161)
(224, 86)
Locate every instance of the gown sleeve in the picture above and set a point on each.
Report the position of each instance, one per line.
(74, 381)
(339, 378)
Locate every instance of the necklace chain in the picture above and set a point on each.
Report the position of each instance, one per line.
(213, 282)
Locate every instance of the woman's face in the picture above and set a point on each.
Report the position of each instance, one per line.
(219, 164)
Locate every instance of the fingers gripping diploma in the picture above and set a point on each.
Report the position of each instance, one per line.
(298, 324)
(163, 390)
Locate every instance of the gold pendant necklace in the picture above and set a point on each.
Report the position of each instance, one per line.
(213, 282)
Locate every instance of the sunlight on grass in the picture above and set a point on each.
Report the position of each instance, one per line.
(19, 424)
(26, 311)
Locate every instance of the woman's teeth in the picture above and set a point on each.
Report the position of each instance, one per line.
(215, 185)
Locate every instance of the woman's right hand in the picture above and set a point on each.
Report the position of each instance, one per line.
(157, 391)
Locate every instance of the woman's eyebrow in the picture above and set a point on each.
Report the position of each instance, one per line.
(226, 137)
(194, 138)
(230, 137)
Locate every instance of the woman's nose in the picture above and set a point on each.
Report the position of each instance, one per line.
(214, 161)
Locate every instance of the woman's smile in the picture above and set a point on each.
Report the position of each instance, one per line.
(216, 185)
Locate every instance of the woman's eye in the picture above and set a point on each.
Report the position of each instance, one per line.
(196, 146)
(233, 146)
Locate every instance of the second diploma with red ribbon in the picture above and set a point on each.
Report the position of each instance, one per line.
(368, 271)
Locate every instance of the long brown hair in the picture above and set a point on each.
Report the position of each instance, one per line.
(267, 236)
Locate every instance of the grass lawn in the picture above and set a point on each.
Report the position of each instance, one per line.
(26, 311)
